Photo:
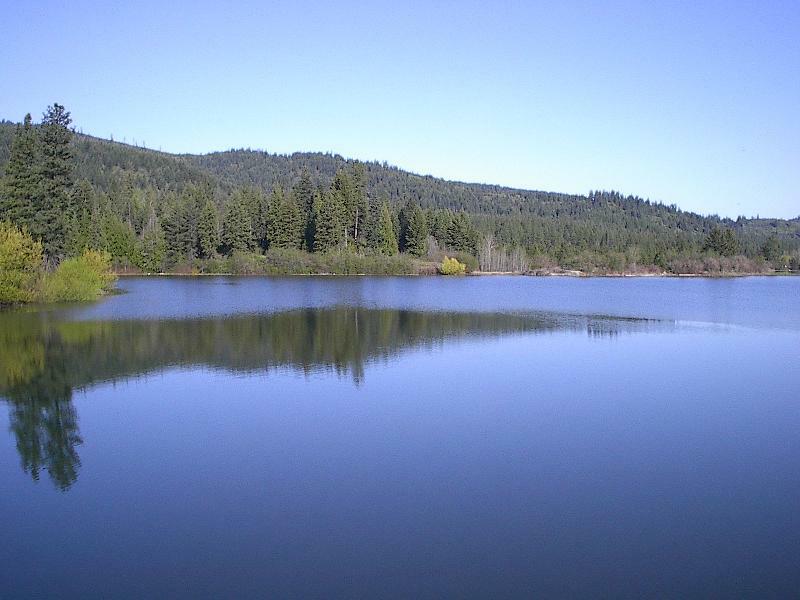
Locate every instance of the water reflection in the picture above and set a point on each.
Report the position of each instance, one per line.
(43, 359)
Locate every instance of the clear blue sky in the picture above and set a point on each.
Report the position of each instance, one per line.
(696, 103)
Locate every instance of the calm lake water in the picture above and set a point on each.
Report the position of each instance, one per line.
(404, 437)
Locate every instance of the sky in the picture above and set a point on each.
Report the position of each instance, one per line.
(691, 103)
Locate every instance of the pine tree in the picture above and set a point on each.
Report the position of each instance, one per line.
(170, 223)
(283, 221)
(772, 250)
(438, 222)
(372, 225)
(54, 206)
(342, 197)
(237, 229)
(256, 204)
(272, 221)
(413, 229)
(722, 241)
(118, 237)
(304, 197)
(187, 234)
(21, 185)
(208, 230)
(292, 223)
(358, 205)
(151, 248)
(81, 227)
(329, 230)
(461, 235)
(386, 237)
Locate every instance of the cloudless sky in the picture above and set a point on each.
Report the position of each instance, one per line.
(693, 103)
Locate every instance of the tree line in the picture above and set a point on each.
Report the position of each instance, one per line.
(156, 211)
(156, 229)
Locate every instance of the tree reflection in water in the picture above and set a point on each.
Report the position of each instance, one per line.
(43, 359)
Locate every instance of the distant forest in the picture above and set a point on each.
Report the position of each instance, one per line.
(154, 211)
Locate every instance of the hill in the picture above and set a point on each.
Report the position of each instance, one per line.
(608, 229)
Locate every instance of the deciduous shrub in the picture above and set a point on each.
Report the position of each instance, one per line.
(83, 278)
(20, 264)
(451, 266)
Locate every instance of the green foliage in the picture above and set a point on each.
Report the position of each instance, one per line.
(283, 225)
(21, 186)
(124, 191)
(469, 260)
(451, 266)
(282, 261)
(54, 203)
(722, 241)
(151, 250)
(180, 221)
(237, 232)
(20, 264)
(438, 222)
(79, 279)
(329, 228)
(208, 230)
(461, 235)
(348, 195)
(119, 240)
(772, 250)
(413, 229)
(304, 197)
(84, 225)
(386, 238)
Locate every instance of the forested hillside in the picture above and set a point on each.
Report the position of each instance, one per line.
(158, 211)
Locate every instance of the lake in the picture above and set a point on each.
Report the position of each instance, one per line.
(404, 437)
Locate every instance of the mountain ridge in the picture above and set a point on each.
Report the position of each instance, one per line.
(542, 222)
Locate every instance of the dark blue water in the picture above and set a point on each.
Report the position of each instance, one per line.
(404, 437)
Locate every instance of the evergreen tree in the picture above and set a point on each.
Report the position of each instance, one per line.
(461, 235)
(304, 197)
(82, 225)
(358, 206)
(237, 229)
(118, 237)
(292, 223)
(170, 223)
(438, 223)
(283, 221)
(372, 224)
(179, 220)
(329, 230)
(413, 229)
(257, 205)
(771, 250)
(342, 196)
(208, 230)
(54, 206)
(272, 221)
(722, 241)
(386, 238)
(151, 249)
(21, 186)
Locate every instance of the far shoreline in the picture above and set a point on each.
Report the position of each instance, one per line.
(566, 273)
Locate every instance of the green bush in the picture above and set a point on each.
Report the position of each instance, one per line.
(79, 279)
(451, 266)
(20, 264)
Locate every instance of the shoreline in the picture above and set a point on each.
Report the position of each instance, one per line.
(564, 273)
